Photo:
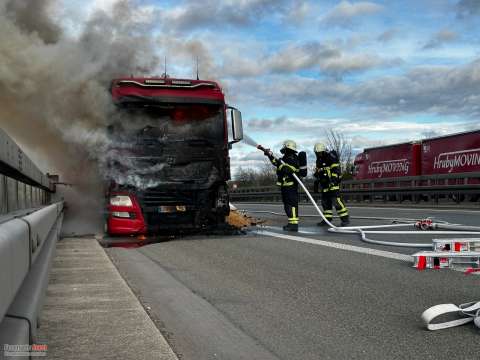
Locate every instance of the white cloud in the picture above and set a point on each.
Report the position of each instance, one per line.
(298, 12)
(105, 5)
(195, 14)
(320, 126)
(467, 8)
(444, 90)
(74, 15)
(345, 12)
(440, 38)
(222, 59)
(387, 35)
(347, 63)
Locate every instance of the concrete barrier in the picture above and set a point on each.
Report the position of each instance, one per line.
(14, 260)
(30, 298)
(40, 223)
(27, 247)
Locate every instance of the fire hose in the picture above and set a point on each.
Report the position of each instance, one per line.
(360, 229)
(394, 220)
(468, 312)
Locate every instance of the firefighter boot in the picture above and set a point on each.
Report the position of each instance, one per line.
(322, 223)
(291, 227)
(345, 221)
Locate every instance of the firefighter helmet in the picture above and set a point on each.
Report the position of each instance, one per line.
(290, 144)
(319, 147)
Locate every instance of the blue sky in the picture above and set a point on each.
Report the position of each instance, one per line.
(377, 71)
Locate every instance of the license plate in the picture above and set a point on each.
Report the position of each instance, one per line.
(171, 208)
(166, 209)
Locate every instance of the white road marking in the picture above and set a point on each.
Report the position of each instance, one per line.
(361, 250)
(307, 232)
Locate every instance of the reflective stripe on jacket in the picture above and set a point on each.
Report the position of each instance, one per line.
(286, 166)
(328, 173)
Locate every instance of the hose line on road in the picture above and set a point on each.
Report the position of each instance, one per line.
(357, 229)
(470, 310)
(426, 224)
(394, 220)
(361, 229)
(459, 227)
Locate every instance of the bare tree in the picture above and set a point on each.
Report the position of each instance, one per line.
(245, 177)
(267, 174)
(338, 142)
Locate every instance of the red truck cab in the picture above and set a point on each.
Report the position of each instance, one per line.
(167, 161)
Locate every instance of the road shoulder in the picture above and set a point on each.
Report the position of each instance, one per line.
(196, 326)
(91, 313)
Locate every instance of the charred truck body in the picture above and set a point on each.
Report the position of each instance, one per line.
(168, 161)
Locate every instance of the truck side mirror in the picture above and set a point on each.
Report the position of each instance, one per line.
(237, 127)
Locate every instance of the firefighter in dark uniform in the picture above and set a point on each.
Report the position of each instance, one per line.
(328, 176)
(286, 166)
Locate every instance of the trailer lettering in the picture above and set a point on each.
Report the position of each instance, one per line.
(389, 167)
(457, 159)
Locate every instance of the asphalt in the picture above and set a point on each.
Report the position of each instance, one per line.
(255, 296)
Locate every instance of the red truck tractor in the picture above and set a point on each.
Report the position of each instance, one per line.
(167, 161)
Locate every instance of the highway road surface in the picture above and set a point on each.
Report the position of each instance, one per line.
(317, 295)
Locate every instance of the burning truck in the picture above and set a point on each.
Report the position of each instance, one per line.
(168, 155)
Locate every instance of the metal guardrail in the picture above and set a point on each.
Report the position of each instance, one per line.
(432, 188)
(18, 165)
(27, 247)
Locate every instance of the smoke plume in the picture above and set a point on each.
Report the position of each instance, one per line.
(54, 98)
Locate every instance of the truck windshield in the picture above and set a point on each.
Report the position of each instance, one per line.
(170, 123)
(161, 144)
